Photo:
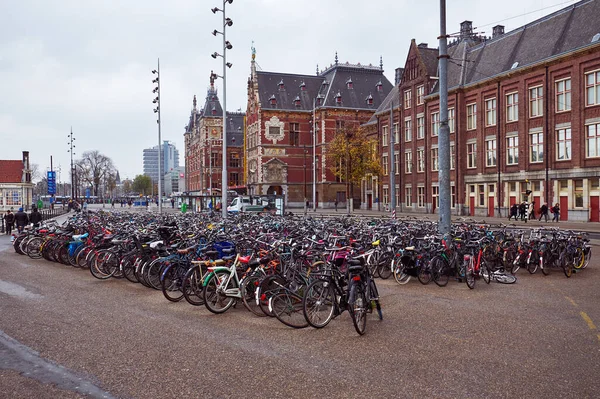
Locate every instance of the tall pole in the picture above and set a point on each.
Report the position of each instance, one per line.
(224, 159)
(304, 205)
(71, 138)
(314, 134)
(159, 148)
(392, 163)
(444, 137)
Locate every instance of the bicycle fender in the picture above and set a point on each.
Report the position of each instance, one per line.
(211, 273)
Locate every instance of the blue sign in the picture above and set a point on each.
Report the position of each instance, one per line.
(51, 182)
(87, 193)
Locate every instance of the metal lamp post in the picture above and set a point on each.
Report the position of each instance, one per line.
(157, 111)
(71, 147)
(226, 46)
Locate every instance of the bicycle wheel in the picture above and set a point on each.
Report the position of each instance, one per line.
(171, 282)
(287, 308)
(249, 287)
(516, 264)
(33, 247)
(81, 257)
(193, 290)
(579, 259)
(357, 307)
(384, 265)
(485, 272)
(214, 298)
(318, 303)
(399, 275)
(440, 271)
(567, 265)
(546, 265)
(587, 253)
(425, 274)
(266, 289)
(128, 267)
(470, 273)
(97, 268)
(152, 273)
(505, 278)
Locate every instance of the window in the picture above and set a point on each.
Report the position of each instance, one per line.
(490, 112)
(578, 192)
(420, 94)
(339, 125)
(385, 164)
(512, 107)
(435, 196)
(396, 133)
(385, 139)
(471, 155)
(471, 116)
(592, 141)
(407, 99)
(451, 119)
(536, 147)
(234, 160)
(452, 157)
(215, 160)
(536, 100)
(563, 144)
(512, 150)
(408, 196)
(408, 161)
(563, 95)
(407, 130)
(421, 160)
(421, 197)
(12, 197)
(592, 88)
(435, 165)
(294, 134)
(490, 152)
(397, 163)
(481, 190)
(435, 123)
(452, 196)
(386, 196)
(234, 179)
(420, 127)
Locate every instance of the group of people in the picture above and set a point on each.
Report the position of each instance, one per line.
(21, 219)
(526, 211)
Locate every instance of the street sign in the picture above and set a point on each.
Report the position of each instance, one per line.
(51, 182)
(87, 193)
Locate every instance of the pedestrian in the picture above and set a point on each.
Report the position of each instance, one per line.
(556, 211)
(544, 212)
(21, 220)
(522, 210)
(70, 205)
(85, 205)
(531, 210)
(173, 203)
(129, 203)
(9, 221)
(35, 217)
(514, 210)
(336, 204)
(112, 203)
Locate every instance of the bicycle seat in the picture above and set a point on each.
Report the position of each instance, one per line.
(355, 262)
(409, 248)
(244, 259)
(376, 243)
(355, 268)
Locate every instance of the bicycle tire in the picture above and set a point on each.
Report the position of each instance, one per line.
(424, 275)
(470, 274)
(97, 269)
(357, 304)
(384, 265)
(546, 266)
(534, 261)
(215, 301)
(579, 259)
(485, 272)
(266, 289)
(171, 282)
(440, 271)
(567, 265)
(399, 275)
(318, 303)
(287, 308)
(192, 287)
(249, 287)
(153, 272)
(33, 247)
(505, 279)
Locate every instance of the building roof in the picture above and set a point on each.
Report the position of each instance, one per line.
(11, 171)
(561, 32)
(352, 84)
(235, 129)
(385, 105)
(430, 59)
(212, 105)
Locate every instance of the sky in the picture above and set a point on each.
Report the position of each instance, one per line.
(87, 64)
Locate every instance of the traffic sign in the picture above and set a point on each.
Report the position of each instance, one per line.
(51, 182)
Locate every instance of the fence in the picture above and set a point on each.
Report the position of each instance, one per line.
(46, 214)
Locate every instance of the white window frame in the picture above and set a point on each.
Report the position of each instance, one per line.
(385, 165)
(564, 145)
(536, 101)
(512, 106)
(490, 112)
(385, 139)
(451, 120)
(435, 161)
(408, 162)
(396, 129)
(420, 127)
(472, 155)
(435, 196)
(452, 156)
(420, 160)
(536, 141)
(408, 196)
(407, 129)
(592, 86)
(563, 97)
(420, 94)
(472, 116)
(435, 124)
(420, 196)
(592, 141)
(512, 150)
(407, 98)
(396, 163)
(490, 150)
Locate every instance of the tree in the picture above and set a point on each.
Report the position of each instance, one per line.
(126, 186)
(95, 167)
(353, 156)
(142, 184)
(36, 175)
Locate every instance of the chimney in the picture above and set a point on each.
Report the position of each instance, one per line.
(423, 45)
(466, 29)
(26, 167)
(398, 77)
(498, 31)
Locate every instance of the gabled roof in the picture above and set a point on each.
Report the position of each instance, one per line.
(558, 33)
(11, 171)
(212, 105)
(430, 59)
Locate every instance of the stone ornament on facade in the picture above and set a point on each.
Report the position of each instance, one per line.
(274, 129)
(275, 171)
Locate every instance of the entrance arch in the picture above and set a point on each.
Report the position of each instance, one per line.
(274, 190)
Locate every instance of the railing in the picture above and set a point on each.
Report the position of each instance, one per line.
(46, 214)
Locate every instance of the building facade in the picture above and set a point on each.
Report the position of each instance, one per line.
(16, 188)
(169, 158)
(204, 147)
(290, 116)
(524, 118)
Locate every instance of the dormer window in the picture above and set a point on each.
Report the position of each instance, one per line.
(349, 83)
(303, 86)
(379, 86)
(370, 100)
(213, 111)
(297, 102)
(281, 85)
(319, 99)
(273, 100)
(338, 98)
(325, 83)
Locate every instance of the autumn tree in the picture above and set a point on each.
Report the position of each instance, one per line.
(95, 168)
(142, 184)
(353, 156)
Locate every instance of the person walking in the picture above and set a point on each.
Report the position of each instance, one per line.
(85, 204)
(21, 220)
(544, 212)
(532, 211)
(9, 221)
(173, 203)
(336, 204)
(522, 210)
(556, 211)
(514, 210)
(35, 217)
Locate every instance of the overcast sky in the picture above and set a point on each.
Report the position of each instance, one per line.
(87, 63)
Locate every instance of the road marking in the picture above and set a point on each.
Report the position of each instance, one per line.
(572, 301)
(589, 321)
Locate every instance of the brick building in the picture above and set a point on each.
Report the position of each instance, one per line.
(279, 133)
(16, 188)
(524, 115)
(204, 147)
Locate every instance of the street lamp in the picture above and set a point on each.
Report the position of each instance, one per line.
(156, 101)
(70, 150)
(226, 46)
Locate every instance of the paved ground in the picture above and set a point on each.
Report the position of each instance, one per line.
(64, 334)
